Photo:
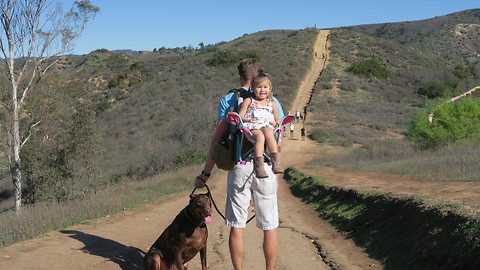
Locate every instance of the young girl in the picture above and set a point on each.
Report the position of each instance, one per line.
(260, 116)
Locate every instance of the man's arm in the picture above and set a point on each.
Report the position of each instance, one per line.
(276, 115)
(220, 131)
(279, 107)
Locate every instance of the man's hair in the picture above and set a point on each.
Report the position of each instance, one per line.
(248, 68)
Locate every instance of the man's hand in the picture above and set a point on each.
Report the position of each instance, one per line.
(201, 180)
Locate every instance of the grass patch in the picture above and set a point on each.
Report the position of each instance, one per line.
(454, 163)
(41, 218)
(402, 232)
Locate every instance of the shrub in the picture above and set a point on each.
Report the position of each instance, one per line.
(190, 157)
(222, 58)
(319, 136)
(251, 53)
(113, 83)
(370, 68)
(227, 58)
(453, 122)
(462, 71)
(434, 90)
(103, 106)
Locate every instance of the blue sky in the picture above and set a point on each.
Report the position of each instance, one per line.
(148, 24)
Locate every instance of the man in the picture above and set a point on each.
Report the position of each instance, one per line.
(242, 183)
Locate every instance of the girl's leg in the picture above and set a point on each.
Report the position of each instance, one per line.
(270, 139)
(273, 150)
(259, 142)
(258, 159)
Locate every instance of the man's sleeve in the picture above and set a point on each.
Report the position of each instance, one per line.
(224, 106)
(279, 106)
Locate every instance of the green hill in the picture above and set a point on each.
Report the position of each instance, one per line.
(109, 117)
(455, 37)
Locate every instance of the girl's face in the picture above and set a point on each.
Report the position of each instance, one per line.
(262, 88)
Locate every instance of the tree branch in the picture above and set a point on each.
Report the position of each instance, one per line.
(32, 125)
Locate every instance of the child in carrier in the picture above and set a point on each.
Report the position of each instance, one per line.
(260, 115)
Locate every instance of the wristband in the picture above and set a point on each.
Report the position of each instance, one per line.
(206, 174)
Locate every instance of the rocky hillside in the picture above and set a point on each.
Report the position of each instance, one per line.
(454, 36)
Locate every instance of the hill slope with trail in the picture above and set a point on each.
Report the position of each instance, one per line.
(120, 241)
(306, 241)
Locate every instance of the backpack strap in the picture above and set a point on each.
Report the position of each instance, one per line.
(240, 93)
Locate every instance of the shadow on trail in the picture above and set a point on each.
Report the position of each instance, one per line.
(128, 258)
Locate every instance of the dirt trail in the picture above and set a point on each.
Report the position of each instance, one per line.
(307, 85)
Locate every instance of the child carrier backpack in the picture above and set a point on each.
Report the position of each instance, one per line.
(238, 145)
(225, 150)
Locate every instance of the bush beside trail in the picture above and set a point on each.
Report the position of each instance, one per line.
(453, 122)
(403, 232)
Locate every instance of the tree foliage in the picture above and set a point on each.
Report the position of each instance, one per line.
(62, 167)
(435, 90)
(453, 122)
(370, 68)
(32, 36)
(227, 58)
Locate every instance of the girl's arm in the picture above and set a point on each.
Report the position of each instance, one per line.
(276, 115)
(243, 109)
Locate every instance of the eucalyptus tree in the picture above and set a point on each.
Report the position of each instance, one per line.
(34, 34)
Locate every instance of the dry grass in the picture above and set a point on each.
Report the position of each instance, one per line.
(454, 163)
(41, 218)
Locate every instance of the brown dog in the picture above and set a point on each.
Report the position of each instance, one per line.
(183, 239)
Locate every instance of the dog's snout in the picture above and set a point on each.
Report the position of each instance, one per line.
(208, 207)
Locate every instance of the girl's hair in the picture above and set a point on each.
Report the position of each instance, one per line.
(248, 68)
(261, 75)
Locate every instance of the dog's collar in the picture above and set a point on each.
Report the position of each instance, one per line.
(187, 211)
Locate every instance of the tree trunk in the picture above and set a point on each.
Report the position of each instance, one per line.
(17, 182)
(15, 167)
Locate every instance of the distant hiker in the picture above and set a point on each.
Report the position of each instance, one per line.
(324, 55)
(260, 116)
(316, 55)
(284, 131)
(238, 198)
(291, 130)
(302, 131)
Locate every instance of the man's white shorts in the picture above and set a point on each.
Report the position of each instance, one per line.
(242, 184)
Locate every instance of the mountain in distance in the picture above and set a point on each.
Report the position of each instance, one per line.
(454, 37)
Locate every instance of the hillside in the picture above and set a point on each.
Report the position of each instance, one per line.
(383, 221)
(366, 98)
(157, 108)
(455, 37)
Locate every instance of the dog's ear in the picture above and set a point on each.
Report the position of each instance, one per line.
(192, 196)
